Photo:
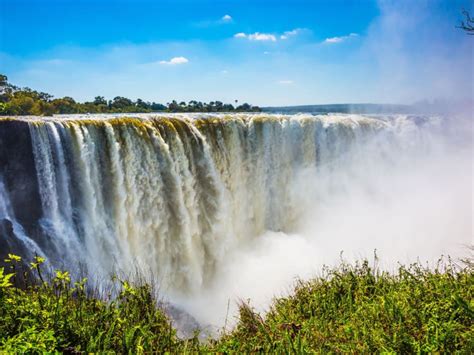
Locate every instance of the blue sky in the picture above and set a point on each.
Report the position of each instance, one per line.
(263, 52)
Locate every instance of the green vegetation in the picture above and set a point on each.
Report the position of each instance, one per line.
(356, 309)
(361, 310)
(25, 101)
(59, 315)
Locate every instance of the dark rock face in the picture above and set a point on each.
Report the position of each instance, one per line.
(17, 167)
(8, 241)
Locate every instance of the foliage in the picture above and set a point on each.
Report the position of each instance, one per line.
(24, 101)
(213, 106)
(65, 316)
(362, 310)
(468, 23)
(356, 309)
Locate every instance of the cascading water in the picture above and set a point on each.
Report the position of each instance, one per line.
(173, 196)
(10, 229)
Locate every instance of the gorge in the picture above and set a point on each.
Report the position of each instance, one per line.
(191, 200)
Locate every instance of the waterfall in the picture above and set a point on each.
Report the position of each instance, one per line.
(172, 195)
(10, 228)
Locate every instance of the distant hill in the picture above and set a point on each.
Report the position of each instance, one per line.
(342, 108)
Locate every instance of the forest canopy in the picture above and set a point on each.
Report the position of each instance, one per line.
(25, 101)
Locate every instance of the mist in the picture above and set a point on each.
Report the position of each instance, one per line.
(420, 54)
(406, 200)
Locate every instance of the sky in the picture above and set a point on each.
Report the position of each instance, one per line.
(267, 53)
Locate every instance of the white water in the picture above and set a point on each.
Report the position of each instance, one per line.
(6, 214)
(236, 207)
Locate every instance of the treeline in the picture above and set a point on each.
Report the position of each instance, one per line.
(25, 101)
(213, 106)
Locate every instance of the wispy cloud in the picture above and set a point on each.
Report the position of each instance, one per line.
(262, 37)
(224, 20)
(340, 39)
(288, 34)
(286, 82)
(175, 61)
(257, 36)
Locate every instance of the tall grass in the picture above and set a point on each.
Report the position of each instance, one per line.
(363, 310)
(352, 308)
(65, 316)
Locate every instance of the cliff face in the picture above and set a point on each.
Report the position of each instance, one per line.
(17, 168)
(20, 205)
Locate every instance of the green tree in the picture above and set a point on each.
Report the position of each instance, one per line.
(99, 100)
(64, 105)
(174, 107)
(20, 105)
(3, 80)
(157, 107)
(26, 101)
(142, 105)
(120, 103)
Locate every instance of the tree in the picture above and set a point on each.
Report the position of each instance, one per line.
(100, 100)
(142, 104)
(42, 108)
(245, 107)
(157, 107)
(228, 108)
(120, 103)
(468, 23)
(6, 89)
(173, 106)
(20, 104)
(64, 105)
(3, 80)
(26, 101)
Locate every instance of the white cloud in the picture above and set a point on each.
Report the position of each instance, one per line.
(175, 61)
(340, 39)
(257, 36)
(334, 40)
(224, 20)
(288, 34)
(262, 37)
(286, 82)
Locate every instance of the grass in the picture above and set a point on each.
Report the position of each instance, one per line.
(62, 316)
(360, 310)
(353, 308)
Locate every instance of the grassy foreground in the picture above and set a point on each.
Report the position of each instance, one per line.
(350, 309)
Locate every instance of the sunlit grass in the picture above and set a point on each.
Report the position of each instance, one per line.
(352, 308)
